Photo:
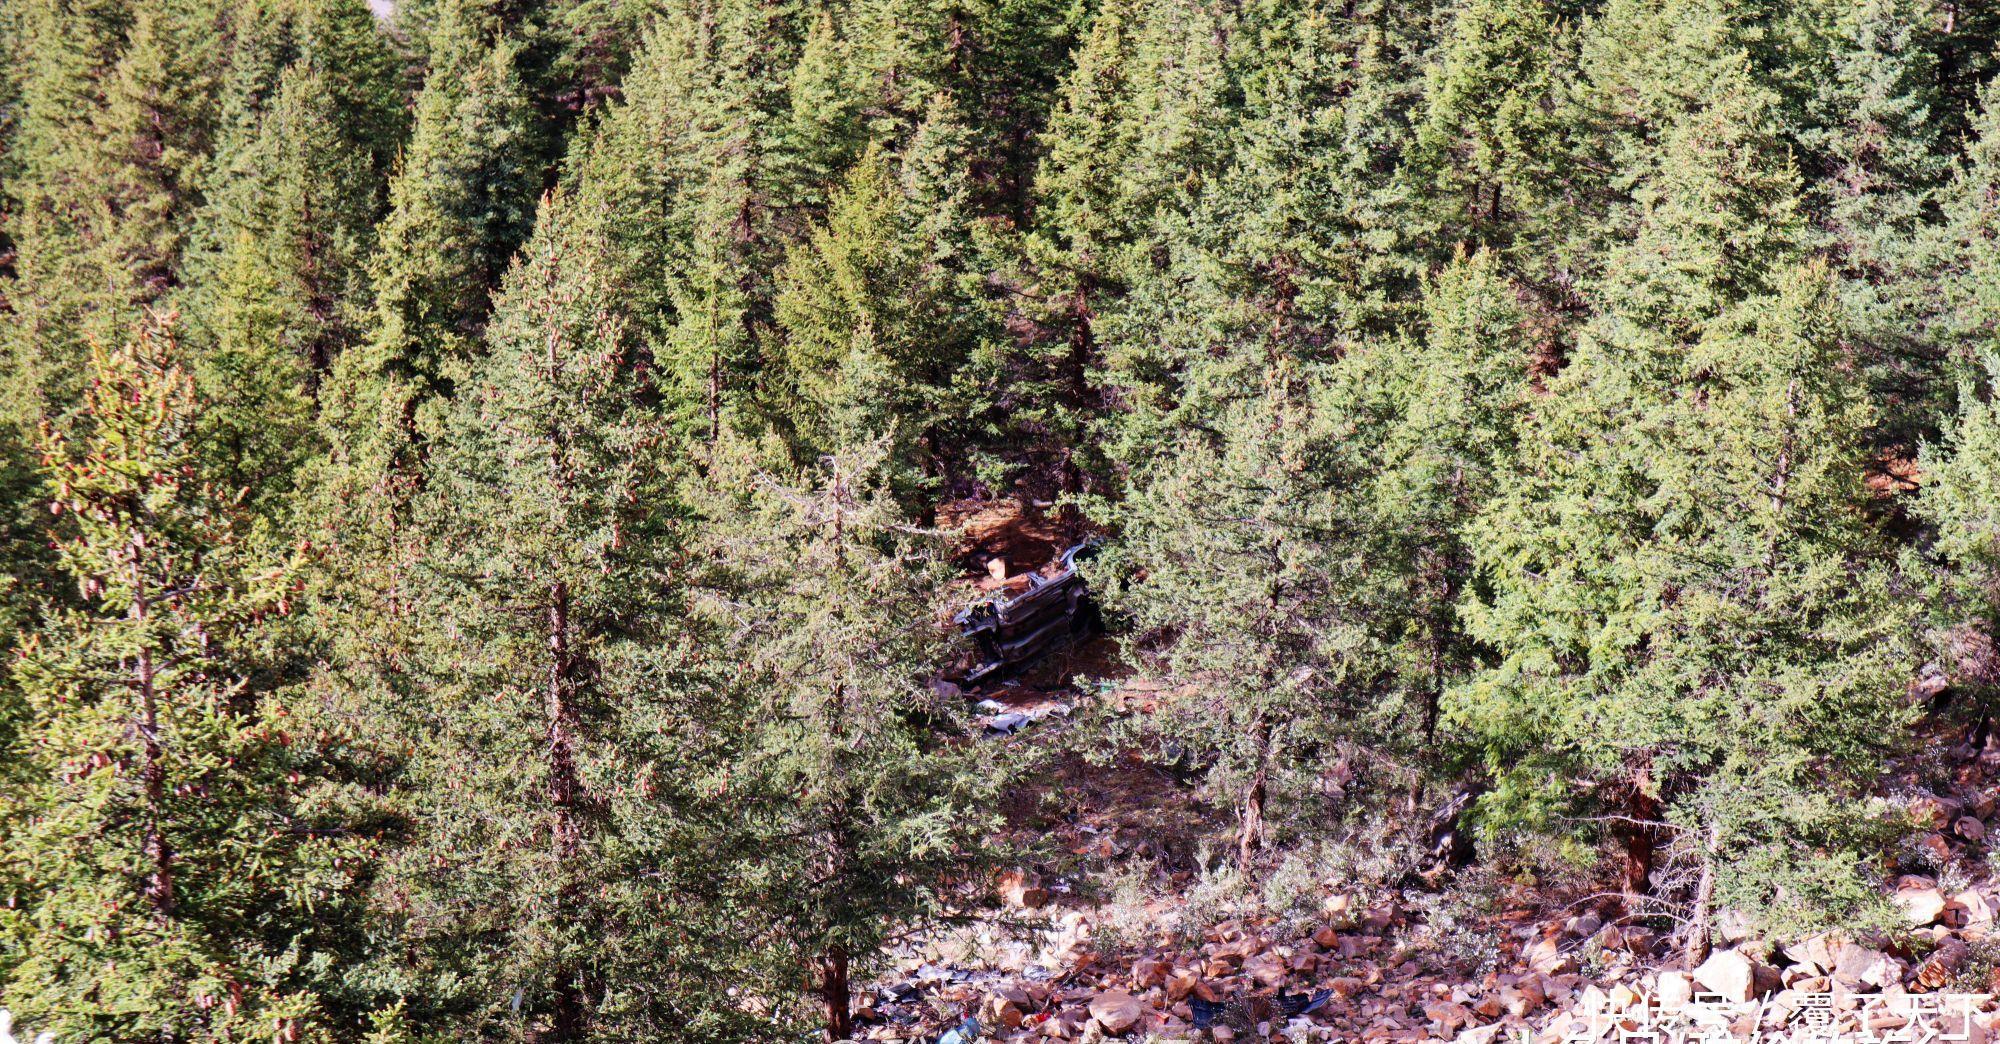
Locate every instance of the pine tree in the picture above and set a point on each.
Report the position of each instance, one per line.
(462, 202)
(1255, 592)
(558, 885)
(173, 873)
(458, 206)
(1456, 401)
(1965, 277)
(1877, 134)
(1961, 471)
(1682, 582)
(882, 327)
(284, 291)
(117, 123)
(870, 807)
(1489, 140)
(692, 166)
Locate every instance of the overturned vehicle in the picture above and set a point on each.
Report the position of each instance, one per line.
(1012, 627)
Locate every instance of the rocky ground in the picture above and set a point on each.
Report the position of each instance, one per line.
(1113, 924)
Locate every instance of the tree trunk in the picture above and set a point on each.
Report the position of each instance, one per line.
(570, 1010)
(1640, 834)
(158, 852)
(1699, 922)
(1076, 377)
(1250, 833)
(834, 992)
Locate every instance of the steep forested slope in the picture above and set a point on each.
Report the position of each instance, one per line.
(471, 479)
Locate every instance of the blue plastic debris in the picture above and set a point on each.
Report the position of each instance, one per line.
(964, 1033)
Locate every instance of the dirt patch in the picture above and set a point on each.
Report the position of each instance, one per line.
(1019, 534)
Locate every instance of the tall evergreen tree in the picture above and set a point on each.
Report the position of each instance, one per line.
(871, 814)
(558, 886)
(1682, 575)
(173, 875)
(882, 324)
(118, 120)
(1253, 594)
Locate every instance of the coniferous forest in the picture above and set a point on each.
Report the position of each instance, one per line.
(484, 491)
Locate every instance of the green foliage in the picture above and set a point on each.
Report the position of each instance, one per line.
(173, 861)
(869, 802)
(1511, 392)
(557, 878)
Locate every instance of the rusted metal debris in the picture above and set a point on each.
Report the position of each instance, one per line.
(1008, 632)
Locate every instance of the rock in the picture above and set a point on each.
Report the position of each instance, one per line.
(1117, 1011)
(1516, 1002)
(1268, 969)
(1673, 991)
(1006, 1008)
(1447, 1016)
(996, 567)
(1937, 847)
(1734, 926)
(1941, 968)
(1346, 987)
(1933, 811)
(1861, 966)
(1585, 924)
(1921, 906)
(1180, 983)
(1023, 889)
(1732, 975)
(1978, 906)
(1818, 952)
(1969, 828)
(1326, 938)
(1480, 1035)
(1547, 956)
(1147, 973)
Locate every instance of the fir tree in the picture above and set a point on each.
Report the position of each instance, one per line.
(1255, 593)
(869, 811)
(557, 886)
(1489, 140)
(881, 327)
(117, 124)
(169, 863)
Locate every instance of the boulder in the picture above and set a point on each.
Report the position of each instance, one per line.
(1006, 1008)
(1734, 925)
(1447, 1016)
(1733, 976)
(1673, 991)
(1816, 952)
(1969, 828)
(1921, 906)
(1268, 969)
(1861, 966)
(1978, 908)
(1346, 987)
(1022, 889)
(1117, 1011)
(1547, 956)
